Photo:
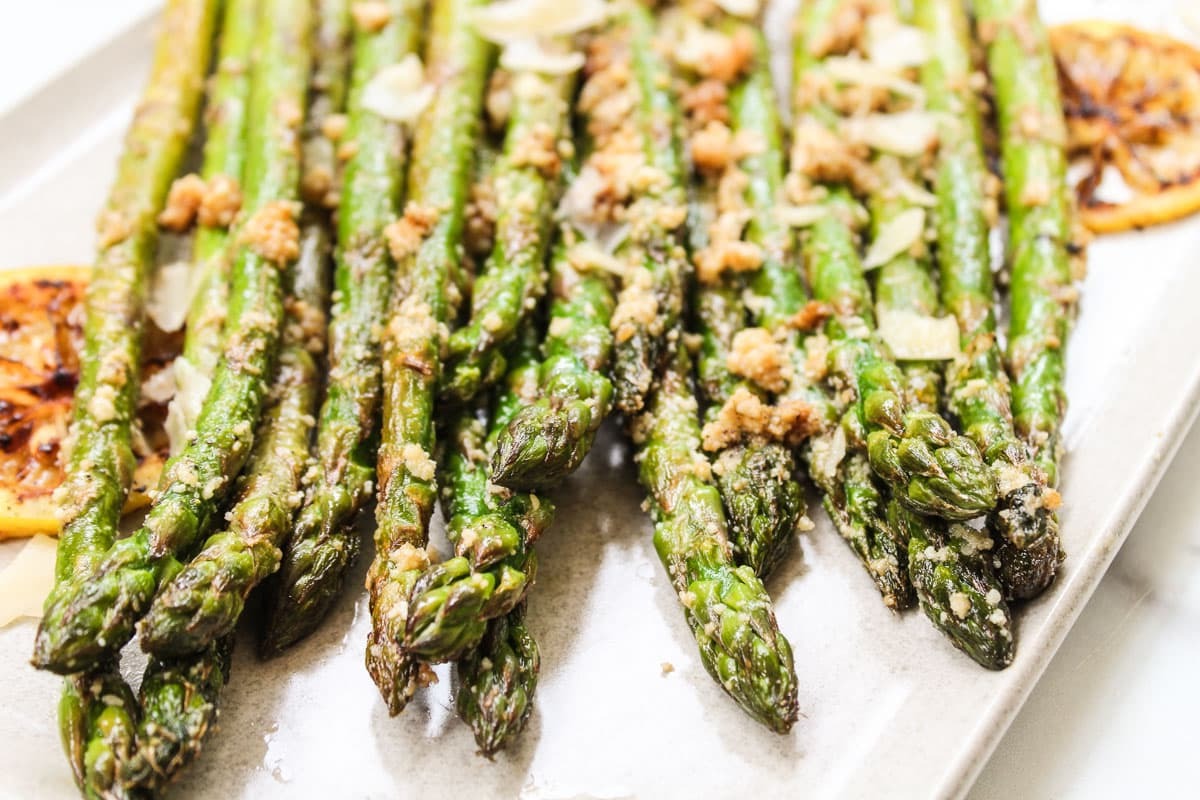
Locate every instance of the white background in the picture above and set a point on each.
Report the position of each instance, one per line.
(1114, 713)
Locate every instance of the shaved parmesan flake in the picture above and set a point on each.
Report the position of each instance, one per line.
(916, 337)
(579, 202)
(611, 235)
(855, 71)
(827, 452)
(534, 55)
(896, 236)
(159, 387)
(917, 195)
(26, 581)
(191, 388)
(893, 46)
(905, 133)
(509, 20)
(800, 216)
(399, 92)
(587, 256)
(746, 9)
(170, 296)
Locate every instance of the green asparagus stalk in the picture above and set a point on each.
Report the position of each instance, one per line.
(323, 541)
(906, 283)
(205, 600)
(651, 299)
(550, 438)
(726, 606)
(327, 102)
(101, 460)
(547, 440)
(93, 615)
(927, 465)
(527, 183)
(178, 701)
(497, 682)
(97, 720)
(949, 566)
(755, 473)
(423, 300)
(97, 713)
(492, 532)
(192, 619)
(224, 161)
(1042, 295)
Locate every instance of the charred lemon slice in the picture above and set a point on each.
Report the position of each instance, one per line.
(41, 335)
(1132, 102)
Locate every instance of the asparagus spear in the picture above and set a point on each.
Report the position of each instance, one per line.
(178, 701)
(1032, 138)
(101, 459)
(192, 619)
(949, 566)
(726, 606)
(205, 600)
(423, 298)
(651, 299)
(92, 615)
(497, 682)
(97, 720)
(323, 541)
(97, 712)
(755, 468)
(450, 603)
(224, 163)
(906, 283)
(547, 440)
(927, 465)
(527, 183)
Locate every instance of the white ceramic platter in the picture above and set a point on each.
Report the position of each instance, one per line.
(889, 708)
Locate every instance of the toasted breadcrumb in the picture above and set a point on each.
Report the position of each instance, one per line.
(289, 112)
(418, 462)
(757, 356)
(404, 236)
(272, 232)
(812, 316)
(481, 213)
(306, 324)
(727, 62)
(721, 257)
(745, 416)
(220, 203)
(712, 147)
(706, 102)
(406, 557)
(371, 15)
(538, 150)
(333, 127)
(183, 202)
(637, 306)
(821, 156)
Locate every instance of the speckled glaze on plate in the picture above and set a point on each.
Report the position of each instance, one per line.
(888, 706)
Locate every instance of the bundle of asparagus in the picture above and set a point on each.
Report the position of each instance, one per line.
(658, 263)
